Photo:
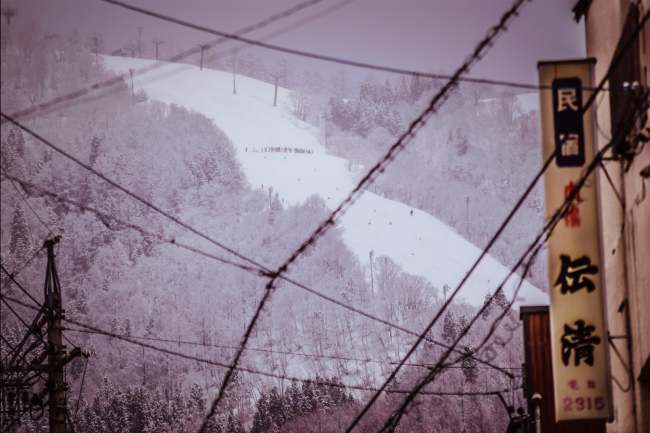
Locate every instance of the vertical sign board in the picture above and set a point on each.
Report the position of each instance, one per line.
(580, 357)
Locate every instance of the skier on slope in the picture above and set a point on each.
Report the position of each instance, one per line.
(411, 212)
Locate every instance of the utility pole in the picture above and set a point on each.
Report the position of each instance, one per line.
(157, 41)
(275, 98)
(96, 54)
(9, 12)
(131, 70)
(233, 59)
(139, 29)
(327, 135)
(132, 47)
(203, 46)
(55, 344)
(15, 370)
(372, 283)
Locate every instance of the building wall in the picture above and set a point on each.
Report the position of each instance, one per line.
(626, 233)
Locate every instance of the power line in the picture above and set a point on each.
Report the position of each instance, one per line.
(11, 276)
(83, 92)
(263, 271)
(313, 55)
(15, 273)
(83, 378)
(254, 349)
(395, 418)
(244, 369)
(548, 229)
(589, 102)
(129, 192)
(13, 349)
(276, 17)
(27, 203)
(481, 50)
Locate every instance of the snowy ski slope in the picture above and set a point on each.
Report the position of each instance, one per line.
(420, 243)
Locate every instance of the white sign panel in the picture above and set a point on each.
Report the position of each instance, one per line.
(578, 324)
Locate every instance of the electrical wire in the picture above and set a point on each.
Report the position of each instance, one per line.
(28, 205)
(67, 415)
(83, 378)
(614, 63)
(31, 297)
(130, 193)
(279, 352)
(536, 247)
(108, 83)
(481, 50)
(19, 355)
(116, 80)
(611, 183)
(15, 274)
(313, 55)
(243, 369)
(263, 271)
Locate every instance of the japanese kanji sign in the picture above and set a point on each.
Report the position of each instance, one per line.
(578, 326)
(568, 125)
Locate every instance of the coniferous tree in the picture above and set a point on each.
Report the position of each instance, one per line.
(462, 143)
(489, 305)
(106, 283)
(416, 88)
(178, 411)
(387, 94)
(403, 91)
(261, 419)
(350, 291)
(13, 148)
(501, 300)
(276, 409)
(463, 323)
(449, 328)
(95, 145)
(19, 236)
(469, 365)
(17, 141)
(128, 327)
(234, 425)
(197, 400)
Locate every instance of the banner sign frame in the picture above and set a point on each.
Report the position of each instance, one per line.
(579, 343)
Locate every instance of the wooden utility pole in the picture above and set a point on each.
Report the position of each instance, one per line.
(139, 29)
(327, 136)
(203, 46)
(233, 59)
(8, 13)
(275, 97)
(16, 367)
(55, 344)
(132, 71)
(96, 53)
(132, 47)
(157, 41)
(372, 283)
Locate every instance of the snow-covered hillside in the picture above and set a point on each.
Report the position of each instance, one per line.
(420, 243)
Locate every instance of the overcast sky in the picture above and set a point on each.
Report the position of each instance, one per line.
(425, 35)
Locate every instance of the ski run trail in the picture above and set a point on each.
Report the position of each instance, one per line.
(420, 243)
